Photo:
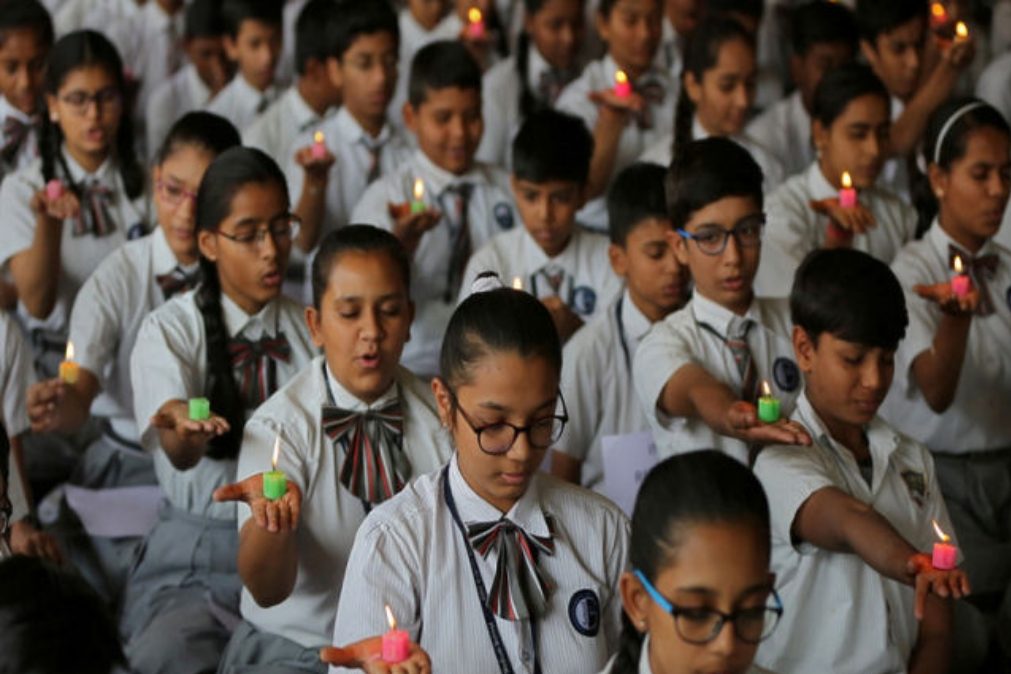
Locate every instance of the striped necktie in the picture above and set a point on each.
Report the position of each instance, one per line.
(459, 231)
(94, 217)
(519, 590)
(375, 467)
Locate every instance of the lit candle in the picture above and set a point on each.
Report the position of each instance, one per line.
(318, 145)
(396, 644)
(945, 554)
(200, 409)
(961, 32)
(768, 405)
(54, 189)
(938, 16)
(475, 24)
(960, 282)
(274, 482)
(418, 202)
(517, 283)
(848, 194)
(68, 368)
(622, 87)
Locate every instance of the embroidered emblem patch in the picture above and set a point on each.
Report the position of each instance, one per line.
(137, 230)
(503, 215)
(584, 612)
(584, 300)
(917, 486)
(787, 374)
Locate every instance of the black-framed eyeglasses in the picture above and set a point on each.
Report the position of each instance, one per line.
(498, 438)
(702, 625)
(80, 101)
(712, 239)
(282, 230)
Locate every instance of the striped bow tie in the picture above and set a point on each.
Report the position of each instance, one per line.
(375, 467)
(94, 217)
(177, 281)
(255, 362)
(518, 590)
(15, 132)
(981, 270)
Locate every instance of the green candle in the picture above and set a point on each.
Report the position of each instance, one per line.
(418, 202)
(275, 483)
(768, 406)
(200, 409)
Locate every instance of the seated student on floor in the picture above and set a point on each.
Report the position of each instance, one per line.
(852, 514)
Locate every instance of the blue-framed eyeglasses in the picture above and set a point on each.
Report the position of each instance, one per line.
(701, 625)
(712, 239)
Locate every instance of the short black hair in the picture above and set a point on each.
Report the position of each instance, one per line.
(201, 129)
(442, 65)
(840, 86)
(26, 15)
(635, 195)
(203, 18)
(552, 145)
(708, 170)
(353, 18)
(850, 295)
(875, 17)
(749, 8)
(237, 11)
(312, 29)
(822, 22)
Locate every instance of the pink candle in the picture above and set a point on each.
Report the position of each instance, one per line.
(938, 16)
(960, 282)
(622, 87)
(475, 24)
(318, 145)
(847, 195)
(945, 554)
(396, 644)
(54, 189)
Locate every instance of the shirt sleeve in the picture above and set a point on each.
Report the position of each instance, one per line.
(17, 227)
(659, 357)
(617, 564)
(96, 321)
(581, 387)
(18, 375)
(788, 238)
(790, 476)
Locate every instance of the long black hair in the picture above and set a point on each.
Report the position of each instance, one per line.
(200, 129)
(359, 239)
(228, 173)
(703, 487)
(88, 49)
(529, 103)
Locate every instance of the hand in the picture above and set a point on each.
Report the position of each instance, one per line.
(29, 541)
(366, 655)
(55, 210)
(409, 227)
(958, 53)
(280, 515)
(742, 417)
(607, 99)
(926, 579)
(856, 220)
(565, 319)
(174, 416)
(946, 299)
(44, 399)
(317, 169)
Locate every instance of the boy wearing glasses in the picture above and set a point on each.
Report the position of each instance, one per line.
(700, 371)
(852, 514)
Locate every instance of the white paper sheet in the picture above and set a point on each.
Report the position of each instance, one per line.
(627, 459)
(116, 512)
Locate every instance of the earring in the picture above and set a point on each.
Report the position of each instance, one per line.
(54, 118)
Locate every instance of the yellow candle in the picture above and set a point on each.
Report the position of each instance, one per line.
(68, 368)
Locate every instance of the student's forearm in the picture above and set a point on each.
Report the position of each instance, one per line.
(693, 392)
(909, 127)
(937, 370)
(606, 136)
(268, 563)
(37, 269)
(311, 209)
(932, 653)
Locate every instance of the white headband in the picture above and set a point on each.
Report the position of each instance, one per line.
(967, 108)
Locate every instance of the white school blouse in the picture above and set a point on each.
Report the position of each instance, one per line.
(784, 130)
(840, 615)
(490, 211)
(29, 148)
(793, 229)
(241, 103)
(330, 515)
(645, 668)
(412, 38)
(977, 419)
(16, 375)
(410, 554)
(169, 362)
(680, 340)
(276, 130)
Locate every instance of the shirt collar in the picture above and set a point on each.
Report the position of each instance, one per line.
(349, 128)
(438, 179)
(247, 92)
(818, 185)
(644, 667)
(238, 322)
(199, 92)
(348, 401)
(716, 316)
(940, 240)
(634, 321)
(526, 512)
(163, 260)
(105, 174)
(8, 110)
(301, 113)
(536, 64)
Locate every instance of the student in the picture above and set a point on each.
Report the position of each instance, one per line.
(699, 595)
(954, 379)
(597, 362)
(197, 82)
(51, 244)
(700, 371)
(994, 84)
(421, 23)
(717, 93)
(823, 36)
(850, 128)
(551, 256)
(234, 341)
(467, 202)
(303, 106)
(681, 18)
(623, 127)
(353, 428)
(491, 607)
(852, 513)
(544, 63)
(253, 44)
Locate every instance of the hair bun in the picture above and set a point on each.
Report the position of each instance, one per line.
(485, 282)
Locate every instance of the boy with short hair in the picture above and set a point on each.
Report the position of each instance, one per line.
(551, 256)
(253, 44)
(852, 513)
(823, 37)
(462, 204)
(597, 361)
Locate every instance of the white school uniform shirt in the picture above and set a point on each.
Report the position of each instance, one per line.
(597, 76)
(331, 515)
(490, 211)
(16, 375)
(784, 129)
(588, 283)
(169, 362)
(348, 177)
(276, 130)
(670, 55)
(994, 84)
(645, 668)
(183, 92)
(793, 229)
(79, 255)
(285, 71)
(28, 151)
(107, 316)
(97, 15)
(977, 419)
(840, 615)
(241, 103)
(597, 385)
(895, 174)
(410, 554)
(680, 340)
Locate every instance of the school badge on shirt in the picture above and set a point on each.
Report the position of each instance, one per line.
(503, 215)
(787, 374)
(584, 612)
(584, 300)
(917, 485)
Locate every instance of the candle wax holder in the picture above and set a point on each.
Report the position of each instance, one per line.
(200, 409)
(961, 284)
(54, 189)
(396, 646)
(275, 484)
(69, 371)
(945, 556)
(768, 409)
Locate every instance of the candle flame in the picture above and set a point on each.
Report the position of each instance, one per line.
(621, 77)
(847, 181)
(940, 534)
(389, 617)
(419, 189)
(474, 15)
(517, 283)
(961, 30)
(957, 264)
(766, 389)
(318, 137)
(937, 9)
(70, 351)
(277, 450)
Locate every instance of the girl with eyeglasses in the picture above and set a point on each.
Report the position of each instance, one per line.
(699, 594)
(490, 564)
(233, 341)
